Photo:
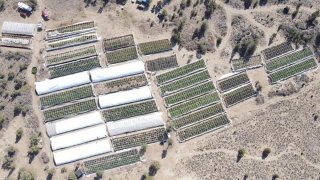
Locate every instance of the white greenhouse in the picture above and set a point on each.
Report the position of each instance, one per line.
(117, 71)
(18, 28)
(83, 151)
(135, 124)
(78, 137)
(61, 83)
(124, 97)
(74, 123)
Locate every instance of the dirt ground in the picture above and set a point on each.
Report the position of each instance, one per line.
(286, 125)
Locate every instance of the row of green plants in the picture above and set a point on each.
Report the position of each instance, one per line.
(189, 93)
(238, 95)
(277, 50)
(70, 55)
(162, 63)
(293, 70)
(288, 59)
(233, 81)
(74, 67)
(198, 116)
(70, 110)
(122, 55)
(66, 96)
(72, 28)
(123, 84)
(155, 46)
(181, 71)
(192, 105)
(203, 127)
(130, 110)
(15, 41)
(242, 63)
(111, 161)
(118, 42)
(72, 42)
(184, 82)
(138, 139)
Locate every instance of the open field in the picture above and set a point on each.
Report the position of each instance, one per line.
(202, 42)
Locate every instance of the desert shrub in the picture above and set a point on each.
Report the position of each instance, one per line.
(23, 67)
(210, 8)
(34, 70)
(25, 175)
(11, 76)
(275, 176)
(175, 37)
(317, 40)
(1, 5)
(146, 177)
(18, 84)
(8, 163)
(143, 148)
(193, 13)
(203, 29)
(19, 134)
(241, 153)
(188, 3)
(51, 172)
(201, 49)
(44, 157)
(183, 4)
(263, 2)
(99, 174)
(170, 142)
(2, 76)
(11, 151)
(19, 109)
(72, 176)
(154, 167)
(34, 146)
(63, 170)
(1, 121)
(286, 10)
(219, 40)
(247, 3)
(258, 86)
(266, 152)
(33, 4)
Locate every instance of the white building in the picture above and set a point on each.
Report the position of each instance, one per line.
(18, 28)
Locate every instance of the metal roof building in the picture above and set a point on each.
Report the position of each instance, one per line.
(135, 124)
(18, 28)
(124, 97)
(74, 123)
(82, 151)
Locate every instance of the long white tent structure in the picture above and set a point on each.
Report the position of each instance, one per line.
(124, 97)
(18, 28)
(82, 151)
(61, 83)
(74, 123)
(118, 71)
(135, 124)
(78, 137)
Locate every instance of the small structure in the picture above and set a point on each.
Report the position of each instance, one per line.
(45, 15)
(18, 28)
(24, 7)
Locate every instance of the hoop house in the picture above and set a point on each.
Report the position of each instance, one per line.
(118, 71)
(61, 83)
(135, 124)
(81, 151)
(18, 28)
(125, 97)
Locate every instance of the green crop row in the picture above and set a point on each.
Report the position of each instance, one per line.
(72, 41)
(233, 81)
(66, 96)
(277, 50)
(181, 71)
(70, 110)
(131, 110)
(193, 105)
(198, 116)
(122, 55)
(74, 67)
(288, 59)
(118, 42)
(155, 47)
(189, 93)
(203, 127)
(238, 95)
(162, 63)
(70, 56)
(111, 161)
(293, 70)
(73, 27)
(138, 139)
(184, 82)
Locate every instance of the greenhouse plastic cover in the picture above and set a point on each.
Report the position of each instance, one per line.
(18, 28)
(125, 97)
(117, 71)
(78, 137)
(83, 151)
(74, 123)
(61, 83)
(135, 124)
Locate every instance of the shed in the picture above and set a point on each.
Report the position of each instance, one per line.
(82, 151)
(74, 123)
(78, 137)
(135, 124)
(18, 28)
(61, 83)
(124, 97)
(118, 71)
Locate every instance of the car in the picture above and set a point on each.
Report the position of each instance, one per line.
(45, 15)
(39, 26)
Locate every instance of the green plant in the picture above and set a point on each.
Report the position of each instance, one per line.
(34, 70)
(8, 163)
(241, 153)
(19, 134)
(170, 142)
(266, 152)
(25, 175)
(11, 151)
(275, 176)
(72, 176)
(1, 121)
(51, 172)
(154, 167)
(23, 67)
(2, 5)
(11, 75)
(99, 174)
(63, 170)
